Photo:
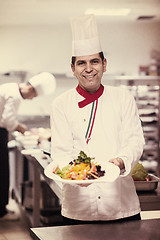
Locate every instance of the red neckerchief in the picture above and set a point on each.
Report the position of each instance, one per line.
(89, 97)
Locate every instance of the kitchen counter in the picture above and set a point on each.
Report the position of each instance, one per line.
(139, 230)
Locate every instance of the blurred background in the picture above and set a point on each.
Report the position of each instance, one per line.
(35, 36)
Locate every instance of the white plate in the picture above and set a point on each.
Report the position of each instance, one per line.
(111, 174)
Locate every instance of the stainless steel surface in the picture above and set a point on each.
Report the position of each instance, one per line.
(133, 230)
(147, 185)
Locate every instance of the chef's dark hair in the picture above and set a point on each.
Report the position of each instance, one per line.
(100, 54)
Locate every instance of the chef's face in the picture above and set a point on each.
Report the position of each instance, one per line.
(89, 70)
(32, 93)
(29, 92)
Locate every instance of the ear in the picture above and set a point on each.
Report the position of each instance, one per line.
(73, 68)
(104, 64)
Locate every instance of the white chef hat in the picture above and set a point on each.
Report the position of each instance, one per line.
(85, 39)
(44, 83)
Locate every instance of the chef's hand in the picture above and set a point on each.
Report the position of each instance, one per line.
(21, 128)
(118, 162)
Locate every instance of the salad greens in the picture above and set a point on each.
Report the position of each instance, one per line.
(62, 173)
(82, 158)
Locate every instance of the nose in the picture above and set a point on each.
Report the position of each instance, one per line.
(88, 68)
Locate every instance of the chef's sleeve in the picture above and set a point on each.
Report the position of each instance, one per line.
(132, 133)
(9, 115)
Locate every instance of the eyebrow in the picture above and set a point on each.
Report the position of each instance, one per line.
(91, 60)
(80, 61)
(95, 59)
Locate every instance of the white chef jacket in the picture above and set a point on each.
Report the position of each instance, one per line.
(117, 132)
(10, 99)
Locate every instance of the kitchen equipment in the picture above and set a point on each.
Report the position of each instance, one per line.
(147, 185)
(46, 152)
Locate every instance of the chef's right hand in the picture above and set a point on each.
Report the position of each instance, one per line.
(118, 162)
(21, 128)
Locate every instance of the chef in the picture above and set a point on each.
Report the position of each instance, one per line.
(11, 95)
(103, 122)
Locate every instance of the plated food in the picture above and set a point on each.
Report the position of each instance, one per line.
(83, 170)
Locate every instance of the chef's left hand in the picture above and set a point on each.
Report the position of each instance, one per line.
(118, 162)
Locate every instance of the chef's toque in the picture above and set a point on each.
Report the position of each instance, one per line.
(85, 39)
(44, 83)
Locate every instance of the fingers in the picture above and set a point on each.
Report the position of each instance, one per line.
(118, 162)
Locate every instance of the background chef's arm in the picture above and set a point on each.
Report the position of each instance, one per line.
(61, 136)
(132, 134)
(21, 128)
(9, 116)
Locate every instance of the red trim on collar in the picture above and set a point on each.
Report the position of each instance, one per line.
(89, 97)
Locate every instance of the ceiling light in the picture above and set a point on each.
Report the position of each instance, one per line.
(109, 12)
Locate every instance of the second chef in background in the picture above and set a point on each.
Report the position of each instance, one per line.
(11, 95)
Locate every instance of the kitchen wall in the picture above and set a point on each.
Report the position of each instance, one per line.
(129, 45)
(48, 48)
(38, 48)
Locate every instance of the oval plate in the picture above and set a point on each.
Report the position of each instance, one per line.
(112, 172)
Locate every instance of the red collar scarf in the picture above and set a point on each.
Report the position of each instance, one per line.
(89, 97)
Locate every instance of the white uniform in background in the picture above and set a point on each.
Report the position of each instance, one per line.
(10, 99)
(117, 132)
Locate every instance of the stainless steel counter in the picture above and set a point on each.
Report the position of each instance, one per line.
(139, 230)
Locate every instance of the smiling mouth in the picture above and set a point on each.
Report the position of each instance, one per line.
(89, 76)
